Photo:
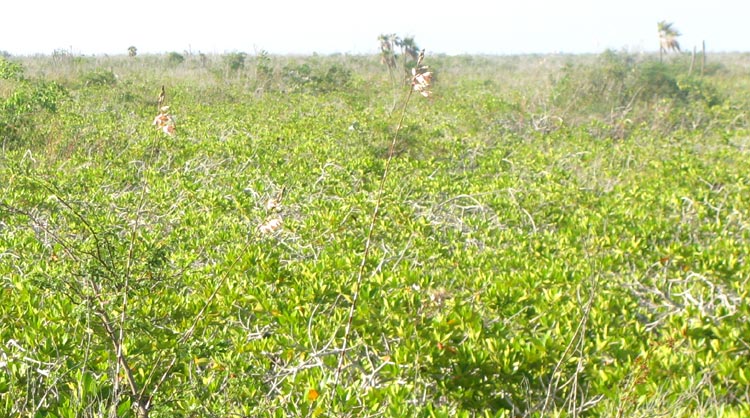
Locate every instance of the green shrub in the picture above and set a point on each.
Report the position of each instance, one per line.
(620, 91)
(175, 58)
(10, 70)
(333, 78)
(20, 110)
(599, 87)
(235, 61)
(319, 79)
(297, 76)
(99, 77)
(263, 68)
(694, 89)
(657, 81)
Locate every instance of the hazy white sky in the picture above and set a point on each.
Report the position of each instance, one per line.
(350, 26)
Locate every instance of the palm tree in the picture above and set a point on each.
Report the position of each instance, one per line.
(387, 53)
(667, 38)
(408, 47)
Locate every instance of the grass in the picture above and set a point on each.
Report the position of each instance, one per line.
(540, 249)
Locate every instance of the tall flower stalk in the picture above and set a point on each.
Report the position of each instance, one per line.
(420, 82)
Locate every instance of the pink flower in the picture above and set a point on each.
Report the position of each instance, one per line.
(421, 80)
(164, 121)
(270, 226)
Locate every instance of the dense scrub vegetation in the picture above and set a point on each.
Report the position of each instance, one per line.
(559, 236)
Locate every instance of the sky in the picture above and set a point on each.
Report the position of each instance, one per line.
(91, 27)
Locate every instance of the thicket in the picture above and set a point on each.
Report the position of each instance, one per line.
(559, 236)
(626, 92)
(24, 103)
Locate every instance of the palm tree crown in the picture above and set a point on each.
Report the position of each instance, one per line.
(387, 53)
(667, 37)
